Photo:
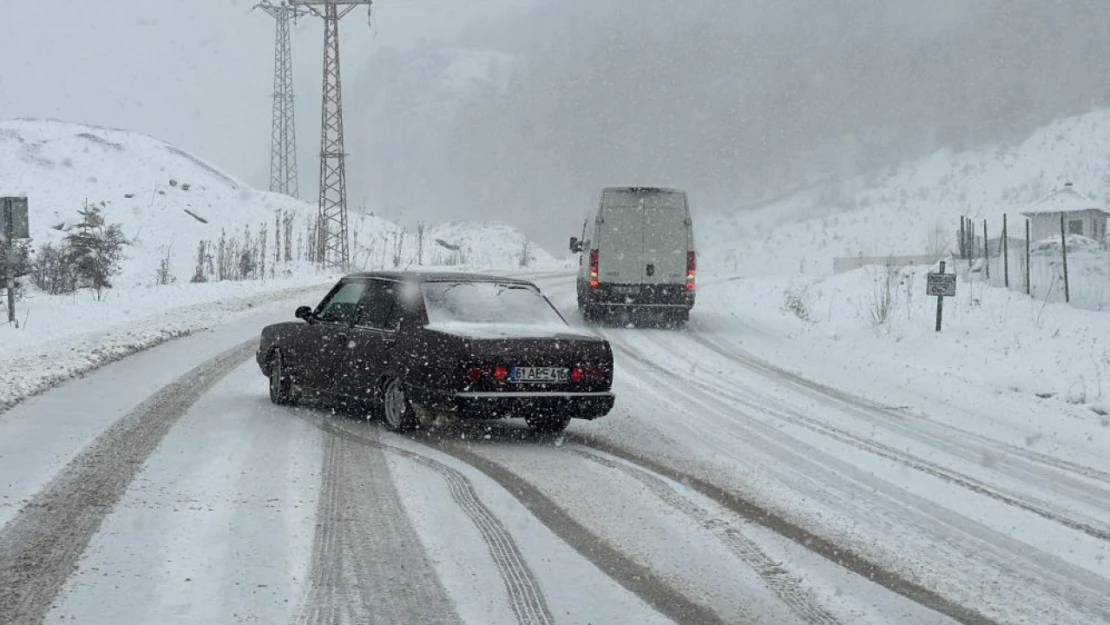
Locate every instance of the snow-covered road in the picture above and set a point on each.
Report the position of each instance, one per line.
(724, 488)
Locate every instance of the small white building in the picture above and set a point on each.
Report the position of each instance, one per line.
(1082, 215)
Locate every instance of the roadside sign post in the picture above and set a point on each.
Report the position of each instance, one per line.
(940, 285)
(13, 225)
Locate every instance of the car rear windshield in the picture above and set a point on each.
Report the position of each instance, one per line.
(489, 303)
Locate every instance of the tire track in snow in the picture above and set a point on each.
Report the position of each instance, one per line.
(40, 548)
(892, 417)
(368, 565)
(526, 598)
(785, 586)
(830, 548)
(1033, 505)
(640, 580)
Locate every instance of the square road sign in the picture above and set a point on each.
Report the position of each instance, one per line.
(14, 209)
(941, 285)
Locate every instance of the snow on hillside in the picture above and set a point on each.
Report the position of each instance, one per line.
(997, 344)
(901, 210)
(994, 344)
(166, 200)
(379, 244)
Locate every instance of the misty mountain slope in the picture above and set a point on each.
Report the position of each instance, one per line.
(732, 101)
(165, 198)
(901, 209)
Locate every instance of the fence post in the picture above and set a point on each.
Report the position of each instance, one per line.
(1064, 246)
(1005, 252)
(1028, 284)
(986, 250)
(960, 240)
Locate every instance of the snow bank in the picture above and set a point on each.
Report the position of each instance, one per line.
(999, 341)
(63, 337)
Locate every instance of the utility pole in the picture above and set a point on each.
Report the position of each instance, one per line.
(283, 133)
(333, 249)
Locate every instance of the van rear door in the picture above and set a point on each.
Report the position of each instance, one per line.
(666, 237)
(620, 238)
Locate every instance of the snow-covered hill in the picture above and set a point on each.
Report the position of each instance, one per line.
(166, 200)
(902, 209)
(169, 201)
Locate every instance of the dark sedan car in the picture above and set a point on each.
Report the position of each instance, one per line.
(415, 345)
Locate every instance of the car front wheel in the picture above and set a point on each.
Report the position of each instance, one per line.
(281, 386)
(396, 407)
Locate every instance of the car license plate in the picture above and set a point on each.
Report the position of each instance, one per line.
(539, 375)
(626, 290)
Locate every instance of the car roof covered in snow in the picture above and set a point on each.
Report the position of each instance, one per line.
(426, 276)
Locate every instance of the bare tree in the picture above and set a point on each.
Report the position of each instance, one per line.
(526, 253)
(164, 275)
(883, 294)
(203, 260)
(262, 252)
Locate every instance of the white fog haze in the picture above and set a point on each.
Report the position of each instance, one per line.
(644, 312)
(527, 116)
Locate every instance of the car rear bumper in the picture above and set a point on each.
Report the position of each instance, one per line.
(496, 405)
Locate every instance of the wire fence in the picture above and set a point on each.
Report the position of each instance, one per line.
(1071, 268)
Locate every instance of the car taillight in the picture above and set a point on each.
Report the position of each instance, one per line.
(691, 269)
(500, 373)
(582, 373)
(474, 374)
(594, 264)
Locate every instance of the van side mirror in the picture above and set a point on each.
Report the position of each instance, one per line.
(575, 245)
(304, 312)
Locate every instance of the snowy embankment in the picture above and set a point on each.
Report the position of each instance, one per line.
(1000, 342)
(202, 247)
(62, 337)
(996, 347)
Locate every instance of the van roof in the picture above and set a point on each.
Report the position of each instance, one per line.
(645, 189)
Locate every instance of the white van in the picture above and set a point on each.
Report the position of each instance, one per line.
(637, 254)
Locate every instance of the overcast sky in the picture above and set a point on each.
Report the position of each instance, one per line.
(197, 74)
(532, 106)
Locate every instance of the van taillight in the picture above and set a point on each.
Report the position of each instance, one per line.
(594, 262)
(691, 269)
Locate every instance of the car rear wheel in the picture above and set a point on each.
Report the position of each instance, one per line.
(396, 407)
(547, 425)
(281, 386)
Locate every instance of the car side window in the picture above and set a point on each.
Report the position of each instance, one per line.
(340, 307)
(379, 308)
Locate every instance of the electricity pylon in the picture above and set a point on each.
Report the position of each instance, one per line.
(283, 133)
(333, 249)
